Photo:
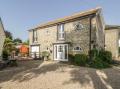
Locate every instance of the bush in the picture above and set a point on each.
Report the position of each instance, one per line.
(71, 58)
(105, 56)
(98, 63)
(94, 53)
(45, 53)
(100, 59)
(81, 59)
(5, 55)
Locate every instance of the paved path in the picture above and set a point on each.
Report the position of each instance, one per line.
(53, 75)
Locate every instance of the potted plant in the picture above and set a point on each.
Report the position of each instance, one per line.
(45, 55)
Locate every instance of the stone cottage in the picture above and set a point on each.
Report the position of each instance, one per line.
(2, 37)
(77, 33)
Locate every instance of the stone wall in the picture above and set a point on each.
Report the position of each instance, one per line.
(111, 41)
(79, 36)
(2, 38)
(97, 33)
(46, 38)
(30, 36)
(100, 32)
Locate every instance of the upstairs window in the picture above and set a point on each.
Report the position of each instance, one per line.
(77, 48)
(78, 26)
(61, 33)
(35, 36)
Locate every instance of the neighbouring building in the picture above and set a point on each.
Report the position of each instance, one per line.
(78, 33)
(2, 38)
(22, 50)
(112, 35)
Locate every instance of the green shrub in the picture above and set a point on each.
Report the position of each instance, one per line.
(71, 58)
(45, 54)
(94, 53)
(105, 56)
(81, 59)
(98, 63)
(5, 55)
(100, 58)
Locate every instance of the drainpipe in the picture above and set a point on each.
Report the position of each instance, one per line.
(90, 37)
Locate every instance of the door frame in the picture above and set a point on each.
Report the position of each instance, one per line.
(32, 53)
(55, 57)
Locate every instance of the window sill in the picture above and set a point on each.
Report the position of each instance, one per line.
(35, 42)
(61, 39)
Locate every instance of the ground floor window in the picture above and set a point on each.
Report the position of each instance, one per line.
(35, 51)
(77, 48)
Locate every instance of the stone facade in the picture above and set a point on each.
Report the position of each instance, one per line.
(46, 38)
(75, 34)
(76, 37)
(2, 38)
(112, 41)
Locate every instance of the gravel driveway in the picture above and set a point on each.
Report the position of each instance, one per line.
(54, 75)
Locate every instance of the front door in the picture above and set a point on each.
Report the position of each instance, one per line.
(61, 52)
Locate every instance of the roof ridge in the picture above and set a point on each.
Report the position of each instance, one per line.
(75, 15)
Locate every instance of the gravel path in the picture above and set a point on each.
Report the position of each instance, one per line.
(54, 75)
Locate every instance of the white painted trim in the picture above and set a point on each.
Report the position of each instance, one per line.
(57, 45)
(77, 50)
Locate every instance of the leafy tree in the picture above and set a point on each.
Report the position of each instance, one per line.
(26, 42)
(17, 40)
(8, 34)
(8, 45)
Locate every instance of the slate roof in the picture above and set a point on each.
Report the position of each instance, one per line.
(109, 27)
(67, 18)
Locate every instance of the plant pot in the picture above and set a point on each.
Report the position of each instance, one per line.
(45, 58)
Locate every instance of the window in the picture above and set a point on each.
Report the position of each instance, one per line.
(35, 36)
(60, 49)
(61, 34)
(78, 26)
(77, 48)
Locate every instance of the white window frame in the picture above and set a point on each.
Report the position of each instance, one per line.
(56, 52)
(80, 49)
(35, 38)
(35, 49)
(61, 33)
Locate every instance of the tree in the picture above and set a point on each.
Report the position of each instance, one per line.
(8, 34)
(8, 45)
(26, 42)
(17, 40)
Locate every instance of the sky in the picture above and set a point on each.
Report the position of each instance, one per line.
(19, 16)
